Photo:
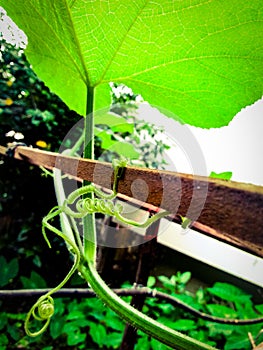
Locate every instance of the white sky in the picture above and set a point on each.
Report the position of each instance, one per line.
(237, 147)
(10, 30)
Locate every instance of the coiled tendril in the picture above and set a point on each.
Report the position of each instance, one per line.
(103, 205)
(43, 309)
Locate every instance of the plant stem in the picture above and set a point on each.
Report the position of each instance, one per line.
(60, 195)
(136, 318)
(88, 126)
(127, 312)
(89, 229)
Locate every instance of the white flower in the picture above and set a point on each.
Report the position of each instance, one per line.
(10, 133)
(19, 136)
(15, 135)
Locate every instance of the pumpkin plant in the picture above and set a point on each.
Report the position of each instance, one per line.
(200, 60)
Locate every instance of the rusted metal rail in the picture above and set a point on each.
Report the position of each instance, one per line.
(226, 210)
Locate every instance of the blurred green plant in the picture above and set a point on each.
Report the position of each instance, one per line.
(81, 323)
(26, 104)
(9, 270)
(221, 300)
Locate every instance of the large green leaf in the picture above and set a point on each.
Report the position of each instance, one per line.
(200, 59)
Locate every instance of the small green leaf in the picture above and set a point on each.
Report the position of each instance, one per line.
(229, 292)
(9, 270)
(200, 296)
(75, 315)
(106, 138)
(70, 327)
(114, 321)
(60, 306)
(245, 309)
(184, 277)
(184, 325)
(113, 339)
(219, 329)
(169, 322)
(97, 333)
(221, 311)
(3, 341)
(174, 279)
(166, 281)
(166, 308)
(259, 308)
(185, 222)
(76, 324)
(124, 149)
(202, 336)
(76, 338)
(73, 331)
(3, 320)
(143, 343)
(37, 261)
(166, 284)
(156, 345)
(236, 342)
(151, 281)
(18, 317)
(56, 326)
(190, 300)
(224, 176)
(34, 281)
(14, 330)
(116, 123)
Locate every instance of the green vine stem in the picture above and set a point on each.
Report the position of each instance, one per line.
(60, 195)
(136, 318)
(89, 227)
(127, 312)
(68, 225)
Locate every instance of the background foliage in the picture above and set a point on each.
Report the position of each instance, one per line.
(79, 323)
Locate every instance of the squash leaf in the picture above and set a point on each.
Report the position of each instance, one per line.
(200, 60)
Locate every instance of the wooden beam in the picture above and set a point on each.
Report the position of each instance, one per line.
(233, 211)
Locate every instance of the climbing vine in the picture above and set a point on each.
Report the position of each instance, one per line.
(164, 70)
(84, 261)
